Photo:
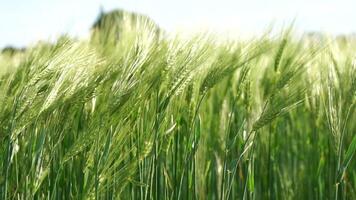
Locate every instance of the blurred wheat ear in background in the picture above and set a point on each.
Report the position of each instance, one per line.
(133, 113)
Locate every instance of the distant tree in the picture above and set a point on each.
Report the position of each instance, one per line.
(115, 22)
(11, 50)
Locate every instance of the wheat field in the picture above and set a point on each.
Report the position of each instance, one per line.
(155, 116)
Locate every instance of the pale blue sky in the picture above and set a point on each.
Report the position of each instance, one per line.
(23, 22)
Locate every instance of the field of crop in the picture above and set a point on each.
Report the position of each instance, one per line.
(154, 116)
